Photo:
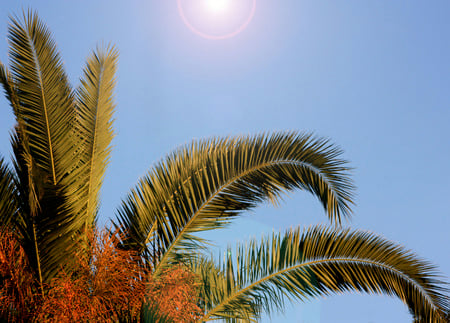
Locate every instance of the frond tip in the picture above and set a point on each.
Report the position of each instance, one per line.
(319, 262)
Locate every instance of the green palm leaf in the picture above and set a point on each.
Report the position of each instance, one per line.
(203, 186)
(95, 108)
(318, 262)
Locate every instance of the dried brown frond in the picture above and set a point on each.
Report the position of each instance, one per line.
(108, 284)
(17, 283)
(176, 294)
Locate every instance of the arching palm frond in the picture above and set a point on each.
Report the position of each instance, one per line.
(319, 262)
(95, 108)
(44, 149)
(203, 186)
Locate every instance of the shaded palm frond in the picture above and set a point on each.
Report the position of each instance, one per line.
(8, 195)
(9, 88)
(152, 314)
(47, 234)
(30, 191)
(319, 262)
(95, 108)
(204, 185)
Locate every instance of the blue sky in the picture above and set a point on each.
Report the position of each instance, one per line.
(373, 76)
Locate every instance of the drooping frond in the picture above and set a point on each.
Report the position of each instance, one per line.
(204, 185)
(319, 262)
(8, 197)
(95, 107)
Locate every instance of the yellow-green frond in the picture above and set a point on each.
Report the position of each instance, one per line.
(204, 185)
(46, 160)
(45, 100)
(95, 108)
(319, 262)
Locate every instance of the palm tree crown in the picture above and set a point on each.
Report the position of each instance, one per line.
(49, 198)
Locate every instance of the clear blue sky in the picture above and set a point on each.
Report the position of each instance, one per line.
(374, 76)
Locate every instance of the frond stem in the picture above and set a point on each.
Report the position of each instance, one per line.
(93, 148)
(44, 105)
(38, 260)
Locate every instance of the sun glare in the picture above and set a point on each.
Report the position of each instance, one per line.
(217, 6)
(216, 19)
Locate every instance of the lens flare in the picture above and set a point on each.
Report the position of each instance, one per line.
(216, 19)
(217, 6)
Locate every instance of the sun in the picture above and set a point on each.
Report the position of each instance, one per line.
(217, 6)
(217, 19)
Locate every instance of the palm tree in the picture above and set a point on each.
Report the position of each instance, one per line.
(49, 198)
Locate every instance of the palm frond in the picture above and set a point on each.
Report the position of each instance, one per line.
(8, 197)
(217, 282)
(319, 262)
(45, 97)
(9, 88)
(203, 186)
(48, 235)
(95, 107)
(152, 314)
(43, 144)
